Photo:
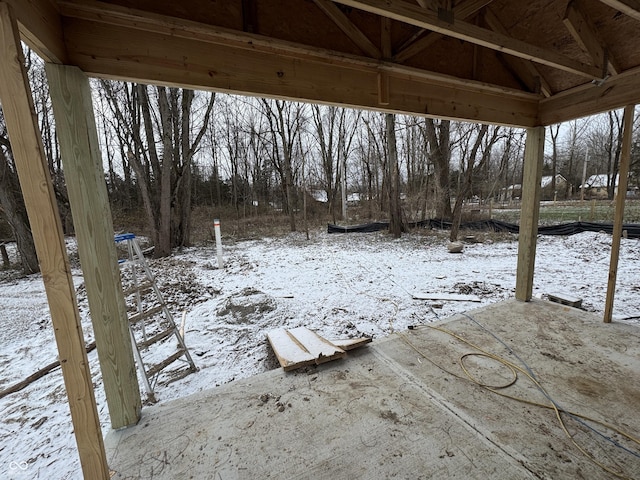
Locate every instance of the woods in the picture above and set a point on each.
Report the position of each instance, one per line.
(168, 150)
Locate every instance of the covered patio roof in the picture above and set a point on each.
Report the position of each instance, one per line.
(502, 61)
(526, 64)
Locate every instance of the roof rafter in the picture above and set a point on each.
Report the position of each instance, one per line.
(415, 15)
(590, 99)
(628, 7)
(584, 33)
(525, 70)
(353, 32)
(418, 42)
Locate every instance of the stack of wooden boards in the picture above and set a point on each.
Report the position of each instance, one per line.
(299, 347)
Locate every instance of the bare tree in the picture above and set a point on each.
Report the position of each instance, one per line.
(285, 121)
(164, 175)
(438, 138)
(334, 131)
(395, 209)
(470, 167)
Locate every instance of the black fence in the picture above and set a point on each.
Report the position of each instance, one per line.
(632, 229)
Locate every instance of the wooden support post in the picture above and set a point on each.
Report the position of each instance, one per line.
(529, 212)
(619, 215)
(78, 137)
(42, 209)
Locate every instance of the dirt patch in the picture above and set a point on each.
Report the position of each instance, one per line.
(481, 289)
(245, 305)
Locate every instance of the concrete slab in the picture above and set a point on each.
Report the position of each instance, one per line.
(400, 408)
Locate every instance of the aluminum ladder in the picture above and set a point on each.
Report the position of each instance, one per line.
(151, 326)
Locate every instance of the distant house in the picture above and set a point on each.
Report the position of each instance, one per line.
(514, 192)
(548, 192)
(596, 186)
(354, 198)
(319, 195)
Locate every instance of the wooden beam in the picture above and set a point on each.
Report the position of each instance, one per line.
(625, 160)
(463, 10)
(415, 15)
(347, 26)
(164, 58)
(383, 77)
(585, 34)
(84, 175)
(590, 99)
(39, 199)
(40, 27)
(630, 8)
(525, 70)
(529, 212)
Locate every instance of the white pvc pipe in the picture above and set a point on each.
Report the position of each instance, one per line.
(216, 228)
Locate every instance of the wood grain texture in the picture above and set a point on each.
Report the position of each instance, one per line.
(415, 15)
(40, 27)
(625, 160)
(299, 347)
(529, 212)
(49, 241)
(124, 43)
(590, 99)
(77, 134)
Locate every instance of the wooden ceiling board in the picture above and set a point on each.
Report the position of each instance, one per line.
(303, 22)
(224, 13)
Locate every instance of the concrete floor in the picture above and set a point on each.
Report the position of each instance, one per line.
(386, 411)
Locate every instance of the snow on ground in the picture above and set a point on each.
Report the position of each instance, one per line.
(341, 285)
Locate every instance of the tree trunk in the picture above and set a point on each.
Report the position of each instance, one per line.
(16, 216)
(395, 210)
(440, 153)
(163, 247)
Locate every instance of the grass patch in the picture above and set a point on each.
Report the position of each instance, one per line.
(599, 211)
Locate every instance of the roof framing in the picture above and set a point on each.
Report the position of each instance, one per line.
(169, 50)
(471, 62)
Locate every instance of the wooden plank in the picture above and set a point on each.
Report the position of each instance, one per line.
(415, 15)
(450, 297)
(529, 212)
(321, 348)
(84, 175)
(628, 7)
(114, 42)
(288, 350)
(97, 13)
(40, 27)
(618, 220)
(565, 299)
(40, 202)
(351, 343)
(462, 10)
(526, 71)
(584, 33)
(590, 99)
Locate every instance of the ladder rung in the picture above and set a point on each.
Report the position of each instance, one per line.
(165, 363)
(156, 338)
(139, 288)
(146, 314)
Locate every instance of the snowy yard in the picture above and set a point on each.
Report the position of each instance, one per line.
(341, 285)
